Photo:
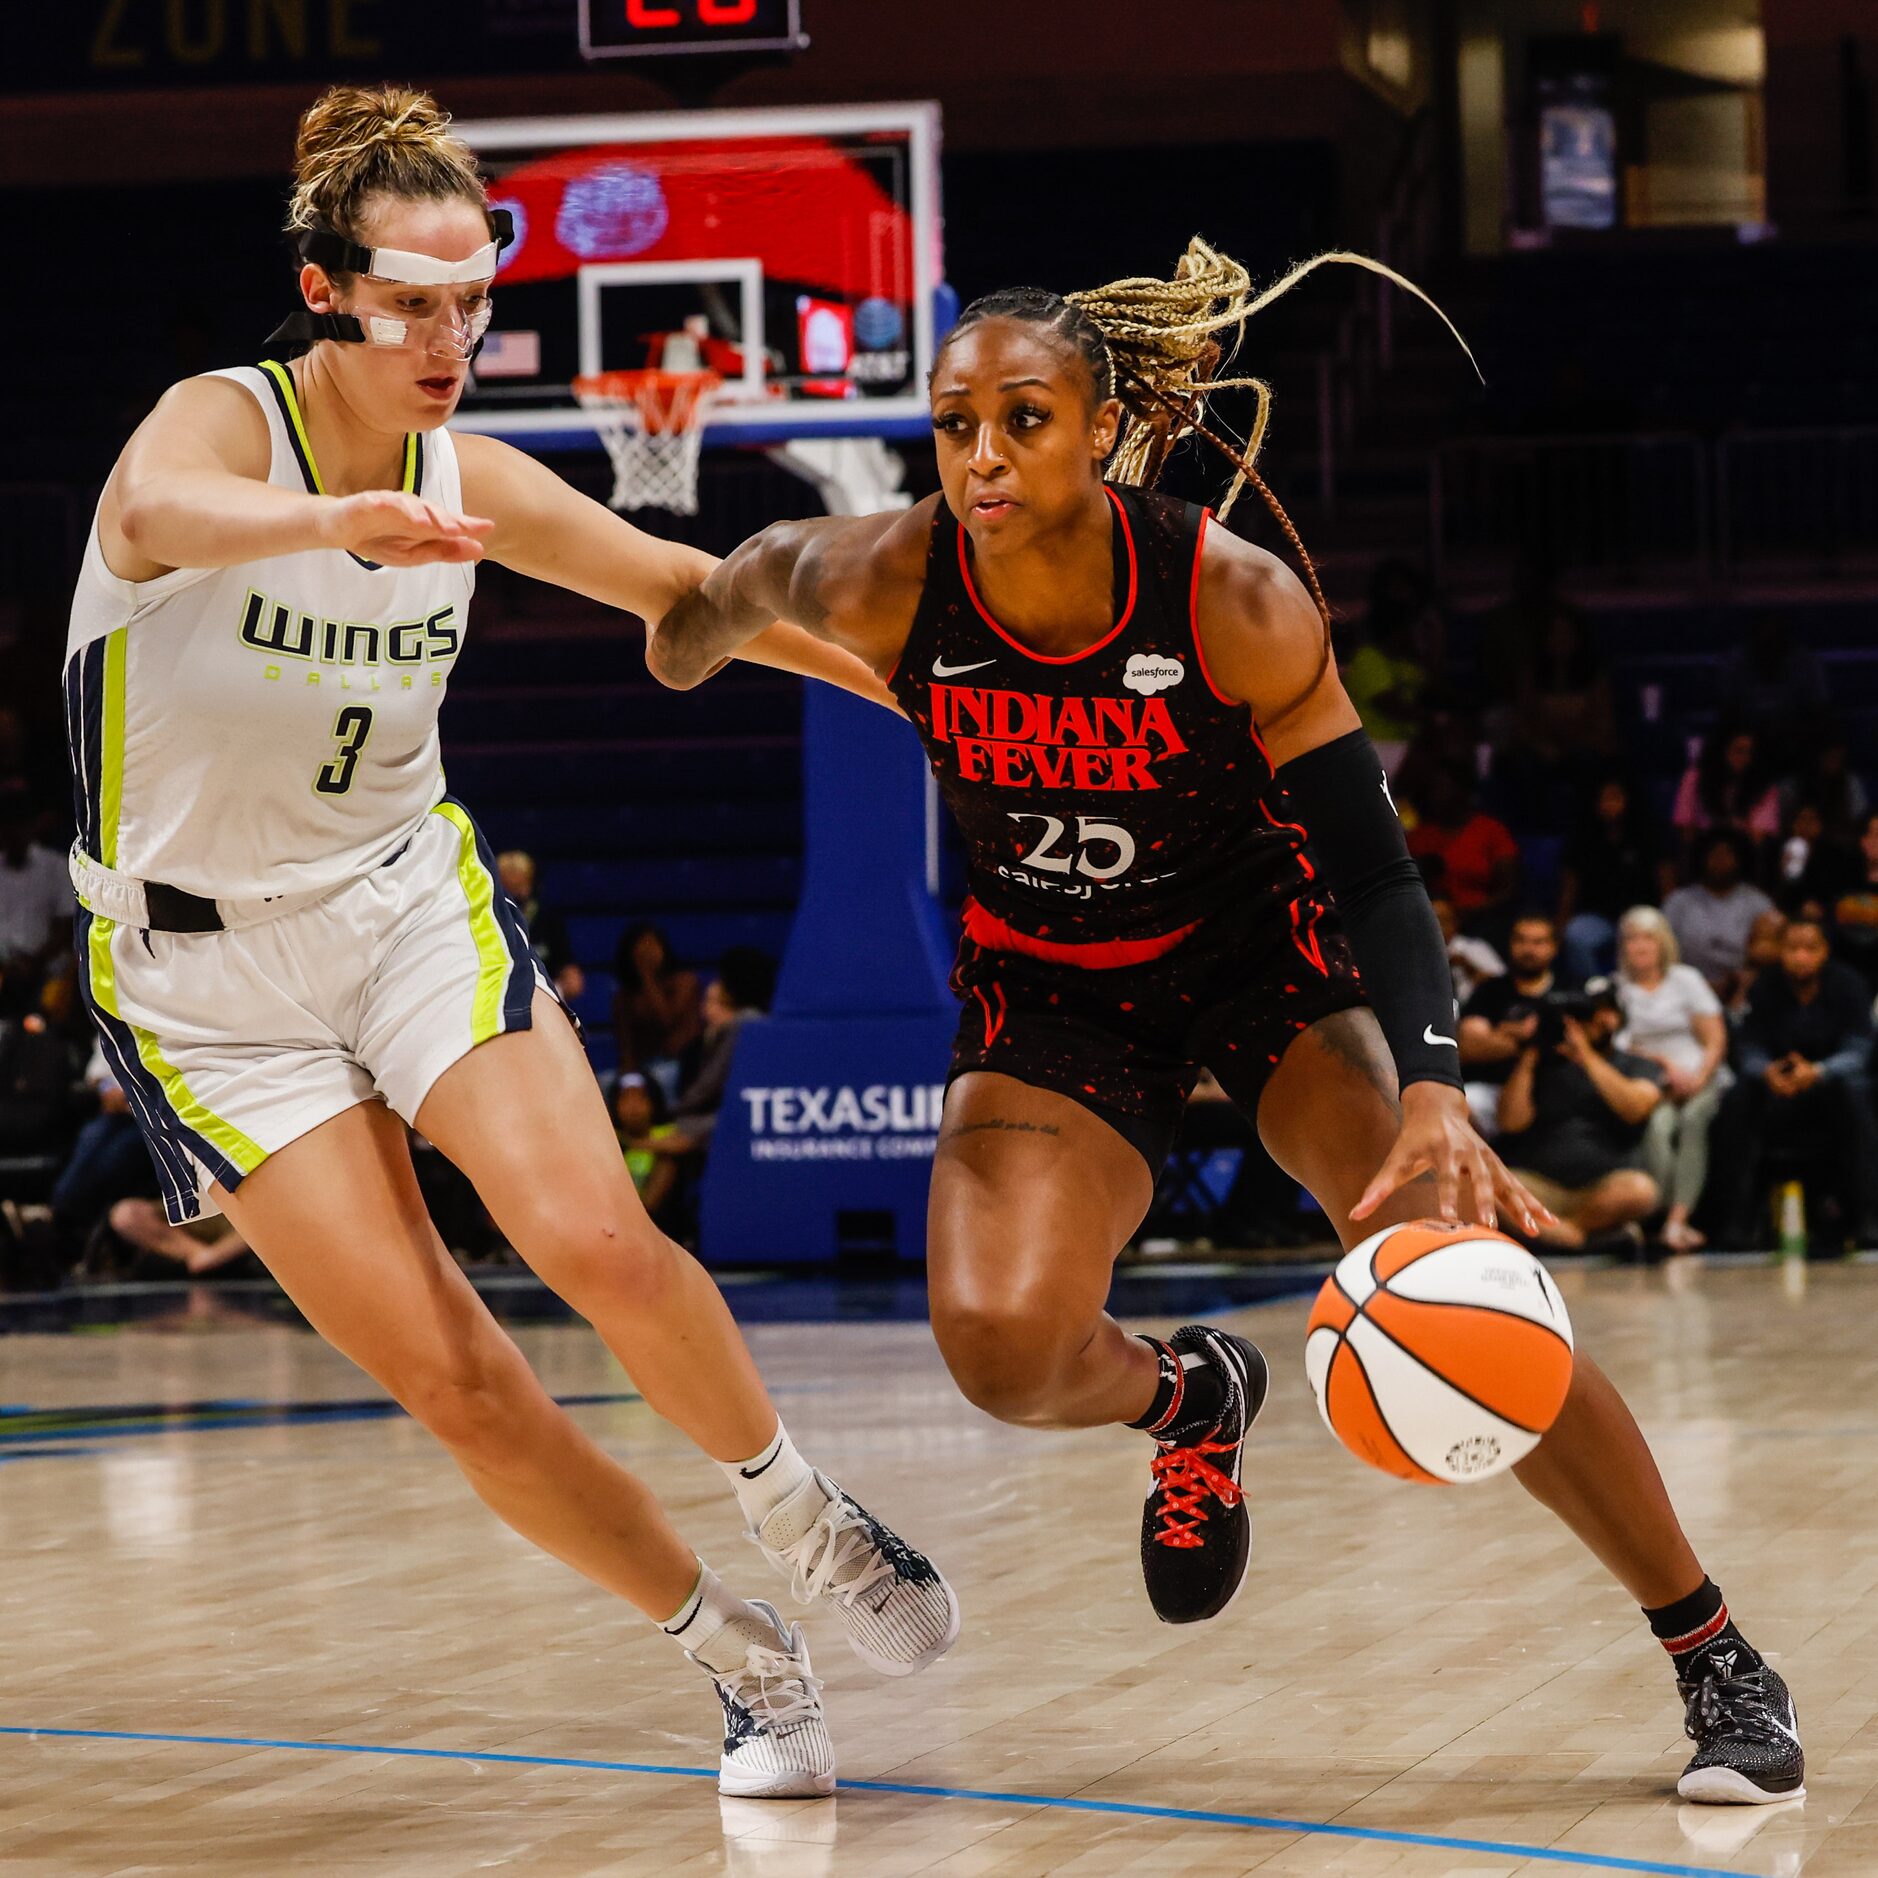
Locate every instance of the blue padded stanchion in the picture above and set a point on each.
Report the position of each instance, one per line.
(826, 1135)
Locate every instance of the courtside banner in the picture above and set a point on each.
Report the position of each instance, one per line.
(826, 1134)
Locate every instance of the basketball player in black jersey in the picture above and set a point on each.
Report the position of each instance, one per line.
(1135, 719)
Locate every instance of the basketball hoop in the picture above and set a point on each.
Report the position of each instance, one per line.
(652, 425)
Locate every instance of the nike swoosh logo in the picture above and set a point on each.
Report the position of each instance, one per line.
(1430, 1035)
(942, 670)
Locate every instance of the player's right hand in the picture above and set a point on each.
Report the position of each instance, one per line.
(396, 530)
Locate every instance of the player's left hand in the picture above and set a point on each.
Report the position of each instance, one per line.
(1439, 1138)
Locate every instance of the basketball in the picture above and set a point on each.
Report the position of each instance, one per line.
(1439, 1353)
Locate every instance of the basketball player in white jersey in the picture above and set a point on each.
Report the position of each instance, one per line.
(295, 943)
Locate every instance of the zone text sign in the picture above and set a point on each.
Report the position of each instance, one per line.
(613, 29)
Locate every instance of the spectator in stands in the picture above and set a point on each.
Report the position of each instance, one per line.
(1673, 1017)
(1713, 916)
(1826, 779)
(1765, 938)
(201, 1247)
(658, 1006)
(1501, 1018)
(37, 1077)
(1562, 706)
(1729, 784)
(1479, 857)
(108, 1162)
(741, 992)
(1774, 686)
(1470, 961)
(1572, 1119)
(36, 902)
(1846, 883)
(1803, 855)
(1804, 1050)
(546, 928)
(643, 1119)
(1387, 675)
(1613, 862)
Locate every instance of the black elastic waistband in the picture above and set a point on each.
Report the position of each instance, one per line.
(170, 909)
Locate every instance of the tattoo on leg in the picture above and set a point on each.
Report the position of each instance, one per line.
(1009, 1128)
(1355, 1038)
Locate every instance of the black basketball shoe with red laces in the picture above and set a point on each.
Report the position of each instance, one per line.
(1196, 1535)
(1746, 1735)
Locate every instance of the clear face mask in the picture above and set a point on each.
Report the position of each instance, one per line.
(440, 322)
(414, 302)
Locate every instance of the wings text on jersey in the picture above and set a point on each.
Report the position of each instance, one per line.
(273, 627)
(1029, 740)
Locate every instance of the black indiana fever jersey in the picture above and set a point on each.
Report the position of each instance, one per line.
(1108, 796)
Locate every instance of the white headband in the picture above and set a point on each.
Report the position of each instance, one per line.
(405, 269)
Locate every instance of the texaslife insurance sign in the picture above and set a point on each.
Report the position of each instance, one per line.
(843, 1122)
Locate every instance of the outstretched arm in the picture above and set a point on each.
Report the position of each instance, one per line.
(849, 581)
(545, 528)
(1265, 646)
(191, 490)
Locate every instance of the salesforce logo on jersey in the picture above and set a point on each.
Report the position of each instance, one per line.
(842, 1122)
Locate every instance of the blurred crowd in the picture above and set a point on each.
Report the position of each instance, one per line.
(1664, 982)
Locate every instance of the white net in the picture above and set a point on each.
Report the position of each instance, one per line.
(652, 427)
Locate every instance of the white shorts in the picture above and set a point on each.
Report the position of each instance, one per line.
(232, 1044)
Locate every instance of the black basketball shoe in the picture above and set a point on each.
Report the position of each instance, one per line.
(1746, 1735)
(1196, 1536)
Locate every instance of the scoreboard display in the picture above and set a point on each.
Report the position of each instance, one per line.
(617, 29)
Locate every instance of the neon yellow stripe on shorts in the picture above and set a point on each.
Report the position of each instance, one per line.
(245, 1153)
(493, 963)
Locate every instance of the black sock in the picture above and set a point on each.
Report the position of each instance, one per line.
(1189, 1398)
(1699, 1626)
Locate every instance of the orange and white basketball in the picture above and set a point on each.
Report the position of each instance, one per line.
(1439, 1353)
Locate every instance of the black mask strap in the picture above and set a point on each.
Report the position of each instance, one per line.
(298, 331)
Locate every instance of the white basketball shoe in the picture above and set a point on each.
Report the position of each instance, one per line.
(776, 1744)
(899, 1612)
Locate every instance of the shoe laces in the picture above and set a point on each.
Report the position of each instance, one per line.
(840, 1556)
(773, 1689)
(1721, 1700)
(1186, 1479)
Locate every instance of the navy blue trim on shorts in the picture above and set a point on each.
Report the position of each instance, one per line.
(170, 1140)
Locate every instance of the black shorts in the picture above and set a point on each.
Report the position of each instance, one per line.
(1128, 1043)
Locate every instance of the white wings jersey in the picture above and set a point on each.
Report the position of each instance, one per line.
(271, 728)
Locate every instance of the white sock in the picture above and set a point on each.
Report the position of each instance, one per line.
(716, 1625)
(766, 1480)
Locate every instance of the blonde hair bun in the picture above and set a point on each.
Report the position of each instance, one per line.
(359, 141)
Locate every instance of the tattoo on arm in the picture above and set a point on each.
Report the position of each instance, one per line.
(1354, 1037)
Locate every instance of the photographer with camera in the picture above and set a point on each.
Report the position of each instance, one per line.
(1499, 1019)
(1573, 1114)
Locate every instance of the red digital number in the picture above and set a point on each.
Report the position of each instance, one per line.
(726, 12)
(642, 13)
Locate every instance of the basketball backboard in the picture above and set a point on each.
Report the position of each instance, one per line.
(799, 251)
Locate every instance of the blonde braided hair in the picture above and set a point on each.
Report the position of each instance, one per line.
(1157, 346)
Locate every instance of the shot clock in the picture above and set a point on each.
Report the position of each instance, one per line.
(615, 29)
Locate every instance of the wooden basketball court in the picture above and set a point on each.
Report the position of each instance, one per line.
(255, 1624)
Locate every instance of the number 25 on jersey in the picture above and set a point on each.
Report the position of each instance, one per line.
(1090, 831)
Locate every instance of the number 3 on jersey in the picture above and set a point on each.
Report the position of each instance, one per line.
(350, 729)
(1089, 830)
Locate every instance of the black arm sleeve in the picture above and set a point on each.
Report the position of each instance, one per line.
(1341, 796)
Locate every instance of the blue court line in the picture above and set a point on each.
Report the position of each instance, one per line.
(113, 1422)
(1258, 1822)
